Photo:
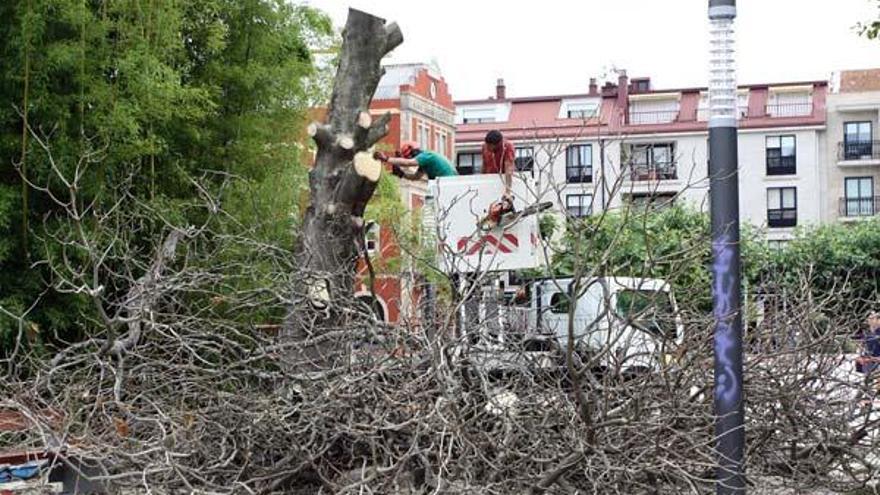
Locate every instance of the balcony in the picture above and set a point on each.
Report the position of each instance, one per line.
(652, 117)
(642, 172)
(777, 110)
(858, 153)
(859, 207)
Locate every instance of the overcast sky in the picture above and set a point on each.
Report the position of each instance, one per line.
(554, 46)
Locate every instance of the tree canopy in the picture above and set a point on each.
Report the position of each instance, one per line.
(152, 100)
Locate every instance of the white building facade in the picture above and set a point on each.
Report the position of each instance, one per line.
(627, 144)
(852, 157)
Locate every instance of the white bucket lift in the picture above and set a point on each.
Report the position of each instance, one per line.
(459, 204)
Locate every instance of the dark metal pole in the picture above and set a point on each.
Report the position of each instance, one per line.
(726, 272)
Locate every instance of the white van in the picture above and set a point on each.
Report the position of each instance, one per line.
(620, 324)
(623, 323)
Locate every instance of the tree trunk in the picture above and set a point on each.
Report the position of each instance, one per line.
(344, 176)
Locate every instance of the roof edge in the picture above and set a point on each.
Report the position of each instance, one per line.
(535, 99)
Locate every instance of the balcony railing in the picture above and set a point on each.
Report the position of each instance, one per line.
(789, 109)
(859, 207)
(858, 150)
(650, 172)
(652, 117)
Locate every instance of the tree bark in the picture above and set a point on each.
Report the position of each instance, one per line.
(344, 176)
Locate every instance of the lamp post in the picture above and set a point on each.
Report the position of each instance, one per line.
(726, 272)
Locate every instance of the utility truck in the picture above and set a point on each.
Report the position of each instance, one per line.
(617, 324)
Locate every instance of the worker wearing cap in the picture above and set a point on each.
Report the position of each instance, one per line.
(425, 163)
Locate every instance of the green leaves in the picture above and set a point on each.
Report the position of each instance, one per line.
(870, 29)
(168, 93)
(840, 261)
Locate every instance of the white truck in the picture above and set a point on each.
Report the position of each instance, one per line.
(620, 324)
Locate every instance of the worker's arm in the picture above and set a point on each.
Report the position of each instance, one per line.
(400, 163)
(507, 167)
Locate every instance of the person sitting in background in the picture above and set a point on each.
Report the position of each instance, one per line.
(870, 360)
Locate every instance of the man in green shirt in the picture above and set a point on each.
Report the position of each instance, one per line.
(425, 162)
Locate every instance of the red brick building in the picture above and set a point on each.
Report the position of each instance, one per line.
(421, 110)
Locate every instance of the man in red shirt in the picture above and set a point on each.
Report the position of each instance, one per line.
(498, 158)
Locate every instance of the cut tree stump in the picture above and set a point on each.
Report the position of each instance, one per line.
(345, 175)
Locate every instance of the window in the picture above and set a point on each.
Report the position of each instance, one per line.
(579, 163)
(742, 105)
(782, 207)
(560, 303)
(581, 110)
(649, 161)
(789, 104)
(781, 155)
(525, 159)
(653, 111)
(652, 310)
(424, 140)
(469, 163)
(579, 205)
(477, 115)
(371, 238)
(857, 140)
(441, 140)
(580, 114)
(859, 197)
(578, 108)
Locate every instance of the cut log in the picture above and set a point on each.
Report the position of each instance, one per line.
(367, 167)
(364, 120)
(361, 184)
(345, 142)
(320, 133)
(319, 293)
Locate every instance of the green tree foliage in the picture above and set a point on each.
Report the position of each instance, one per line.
(870, 29)
(671, 244)
(168, 94)
(841, 260)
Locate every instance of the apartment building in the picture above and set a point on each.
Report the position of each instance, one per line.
(852, 163)
(629, 143)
